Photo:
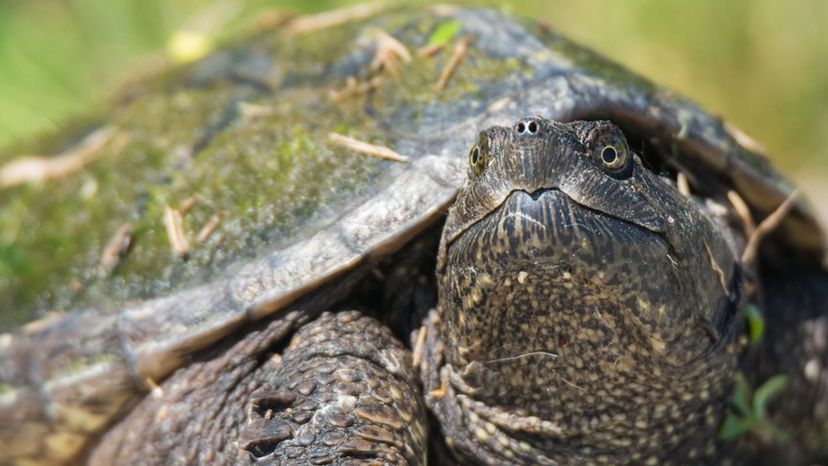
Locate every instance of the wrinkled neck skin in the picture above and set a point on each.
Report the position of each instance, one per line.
(572, 335)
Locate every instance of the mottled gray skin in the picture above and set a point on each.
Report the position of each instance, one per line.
(580, 314)
(342, 392)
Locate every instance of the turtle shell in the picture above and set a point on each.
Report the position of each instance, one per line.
(253, 133)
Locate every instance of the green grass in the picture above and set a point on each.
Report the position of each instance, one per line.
(758, 63)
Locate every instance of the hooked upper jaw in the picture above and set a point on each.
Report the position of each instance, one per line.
(588, 161)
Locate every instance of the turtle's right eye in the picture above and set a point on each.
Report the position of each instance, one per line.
(614, 157)
(477, 159)
(479, 155)
(474, 156)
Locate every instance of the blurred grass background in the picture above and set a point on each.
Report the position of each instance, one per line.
(762, 64)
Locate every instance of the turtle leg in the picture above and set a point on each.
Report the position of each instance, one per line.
(196, 414)
(345, 393)
(342, 392)
(796, 344)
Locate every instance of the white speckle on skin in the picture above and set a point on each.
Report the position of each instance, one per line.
(390, 362)
(526, 218)
(346, 402)
(522, 276)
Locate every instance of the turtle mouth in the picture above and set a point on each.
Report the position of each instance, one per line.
(538, 193)
(554, 206)
(552, 215)
(546, 225)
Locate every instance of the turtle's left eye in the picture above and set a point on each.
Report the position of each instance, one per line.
(613, 158)
(609, 155)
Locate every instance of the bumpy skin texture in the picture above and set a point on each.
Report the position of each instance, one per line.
(197, 414)
(343, 393)
(586, 307)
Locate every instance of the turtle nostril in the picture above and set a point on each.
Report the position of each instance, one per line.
(527, 127)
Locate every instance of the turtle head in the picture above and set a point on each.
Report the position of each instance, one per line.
(582, 290)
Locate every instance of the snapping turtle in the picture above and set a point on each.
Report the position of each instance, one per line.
(586, 307)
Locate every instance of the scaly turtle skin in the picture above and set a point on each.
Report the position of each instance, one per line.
(581, 315)
(584, 310)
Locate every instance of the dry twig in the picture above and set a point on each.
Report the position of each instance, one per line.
(188, 203)
(459, 53)
(389, 49)
(682, 184)
(742, 138)
(116, 249)
(305, 24)
(743, 211)
(419, 346)
(366, 148)
(770, 223)
(175, 232)
(208, 228)
(439, 392)
(429, 51)
(716, 268)
(29, 168)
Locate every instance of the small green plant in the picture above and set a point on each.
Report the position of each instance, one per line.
(444, 32)
(751, 410)
(756, 323)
